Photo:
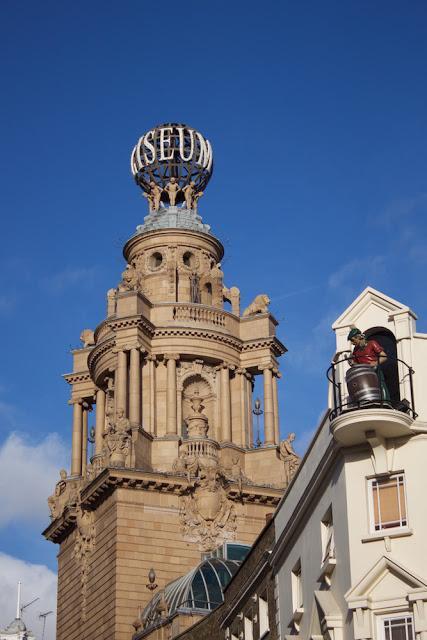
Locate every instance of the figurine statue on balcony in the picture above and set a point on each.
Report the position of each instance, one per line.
(368, 352)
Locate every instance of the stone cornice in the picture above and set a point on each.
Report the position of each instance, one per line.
(99, 351)
(199, 333)
(60, 528)
(277, 347)
(110, 479)
(78, 376)
(140, 322)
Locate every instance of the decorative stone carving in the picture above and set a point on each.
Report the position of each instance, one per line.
(83, 547)
(172, 188)
(259, 305)
(129, 279)
(118, 440)
(232, 295)
(55, 502)
(111, 302)
(87, 338)
(153, 196)
(290, 458)
(65, 495)
(197, 421)
(207, 516)
(194, 288)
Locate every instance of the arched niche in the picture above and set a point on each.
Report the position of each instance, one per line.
(192, 383)
(390, 368)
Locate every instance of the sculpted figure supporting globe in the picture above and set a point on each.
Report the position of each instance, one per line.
(154, 196)
(172, 189)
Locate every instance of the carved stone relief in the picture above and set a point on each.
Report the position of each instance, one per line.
(207, 515)
(83, 547)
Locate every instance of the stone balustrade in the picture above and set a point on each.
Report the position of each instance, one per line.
(198, 313)
(199, 448)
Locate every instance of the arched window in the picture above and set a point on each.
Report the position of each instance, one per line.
(390, 369)
(207, 294)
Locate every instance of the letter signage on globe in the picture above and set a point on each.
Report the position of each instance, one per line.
(172, 151)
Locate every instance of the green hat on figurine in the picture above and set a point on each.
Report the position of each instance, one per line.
(353, 333)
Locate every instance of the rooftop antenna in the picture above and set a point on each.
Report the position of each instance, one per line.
(24, 606)
(44, 616)
(18, 603)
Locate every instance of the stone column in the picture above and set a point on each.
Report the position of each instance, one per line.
(268, 405)
(84, 438)
(134, 387)
(121, 381)
(225, 403)
(249, 392)
(152, 400)
(179, 411)
(171, 359)
(76, 449)
(100, 421)
(276, 375)
(243, 407)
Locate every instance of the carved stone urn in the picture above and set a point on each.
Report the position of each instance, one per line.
(197, 421)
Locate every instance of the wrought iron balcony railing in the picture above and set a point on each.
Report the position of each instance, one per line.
(350, 394)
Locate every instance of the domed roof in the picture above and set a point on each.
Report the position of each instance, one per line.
(16, 625)
(201, 589)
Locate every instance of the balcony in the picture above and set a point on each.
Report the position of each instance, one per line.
(360, 402)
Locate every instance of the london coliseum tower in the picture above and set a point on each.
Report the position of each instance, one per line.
(169, 375)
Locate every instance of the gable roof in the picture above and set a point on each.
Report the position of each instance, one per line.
(377, 573)
(370, 296)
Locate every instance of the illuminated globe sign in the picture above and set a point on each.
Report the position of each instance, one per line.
(172, 163)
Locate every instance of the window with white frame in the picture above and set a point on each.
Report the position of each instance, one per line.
(264, 625)
(297, 596)
(397, 628)
(388, 502)
(328, 542)
(248, 628)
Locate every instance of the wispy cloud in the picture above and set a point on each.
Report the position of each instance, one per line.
(355, 274)
(38, 581)
(28, 473)
(70, 277)
(399, 210)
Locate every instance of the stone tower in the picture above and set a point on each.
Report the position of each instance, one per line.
(169, 374)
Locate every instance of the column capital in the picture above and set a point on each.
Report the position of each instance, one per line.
(75, 401)
(276, 372)
(171, 356)
(225, 365)
(263, 367)
(241, 371)
(149, 357)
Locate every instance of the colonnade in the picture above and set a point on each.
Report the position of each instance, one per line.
(128, 396)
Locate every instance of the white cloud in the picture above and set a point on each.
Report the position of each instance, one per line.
(357, 272)
(37, 581)
(69, 277)
(28, 473)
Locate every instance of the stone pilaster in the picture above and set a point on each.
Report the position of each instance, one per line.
(135, 387)
(225, 403)
(121, 381)
(171, 424)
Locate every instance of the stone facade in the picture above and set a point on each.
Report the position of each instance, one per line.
(169, 374)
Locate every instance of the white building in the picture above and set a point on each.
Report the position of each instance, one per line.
(350, 557)
(17, 630)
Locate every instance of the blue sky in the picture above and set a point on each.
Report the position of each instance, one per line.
(316, 114)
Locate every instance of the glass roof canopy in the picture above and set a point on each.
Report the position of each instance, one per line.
(202, 589)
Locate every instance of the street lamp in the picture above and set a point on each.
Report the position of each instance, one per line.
(257, 411)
